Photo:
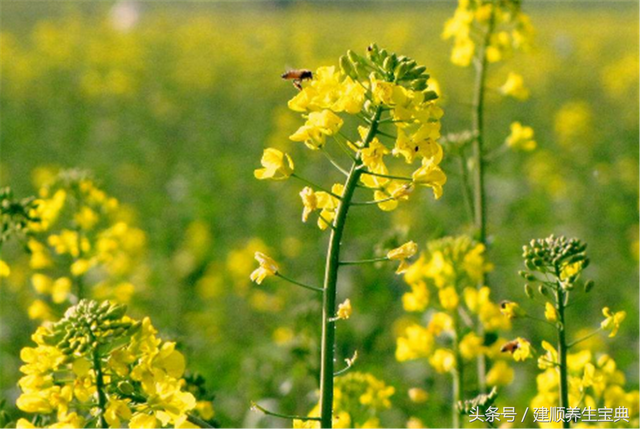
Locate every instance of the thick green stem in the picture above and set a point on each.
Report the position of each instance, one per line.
(330, 284)
(479, 204)
(102, 397)
(562, 354)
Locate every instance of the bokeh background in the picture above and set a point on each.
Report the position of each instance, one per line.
(170, 104)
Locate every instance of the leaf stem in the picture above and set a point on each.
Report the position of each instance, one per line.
(283, 416)
(365, 261)
(562, 354)
(308, 182)
(297, 283)
(586, 337)
(198, 421)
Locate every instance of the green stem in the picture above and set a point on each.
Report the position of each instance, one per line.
(479, 206)
(297, 283)
(198, 421)
(330, 284)
(466, 191)
(283, 416)
(458, 374)
(313, 185)
(562, 354)
(586, 337)
(388, 176)
(102, 398)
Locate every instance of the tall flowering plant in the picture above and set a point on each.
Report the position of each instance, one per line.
(398, 115)
(572, 378)
(486, 32)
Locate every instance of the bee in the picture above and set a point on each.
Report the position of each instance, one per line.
(510, 347)
(297, 76)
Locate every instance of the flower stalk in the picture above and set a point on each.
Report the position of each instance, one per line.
(562, 353)
(327, 355)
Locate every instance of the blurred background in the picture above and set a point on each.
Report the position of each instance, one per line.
(170, 104)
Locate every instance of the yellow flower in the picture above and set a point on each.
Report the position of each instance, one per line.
(443, 360)
(550, 312)
(80, 267)
(500, 374)
(417, 299)
(449, 298)
(430, 175)
(318, 125)
(60, 290)
(439, 323)
(4, 269)
(402, 253)
(39, 310)
(382, 92)
(418, 395)
(514, 87)
(470, 346)
(268, 267)
(521, 137)
(550, 359)
(612, 321)
(205, 409)
(143, 421)
(416, 343)
(309, 201)
(41, 283)
(344, 310)
(117, 409)
(511, 309)
(277, 165)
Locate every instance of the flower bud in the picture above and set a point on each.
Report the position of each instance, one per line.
(528, 290)
(347, 68)
(588, 286)
(543, 290)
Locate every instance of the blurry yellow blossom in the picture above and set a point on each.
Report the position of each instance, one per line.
(4, 269)
(471, 345)
(344, 310)
(500, 374)
(612, 321)
(449, 298)
(403, 253)
(415, 423)
(514, 87)
(443, 360)
(418, 395)
(521, 137)
(277, 165)
(268, 267)
(550, 312)
(417, 299)
(416, 343)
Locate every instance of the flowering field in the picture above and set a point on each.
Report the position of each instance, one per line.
(436, 223)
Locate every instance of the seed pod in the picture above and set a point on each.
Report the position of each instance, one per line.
(588, 286)
(116, 312)
(543, 290)
(126, 388)
(529, 264)
(387, 64)
(400, 71)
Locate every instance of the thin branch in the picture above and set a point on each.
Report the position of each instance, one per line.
(310, 183)
(365, 261)
(373, 202)
(198, 421)
(334, 163)
(586, 337)
(388, 176)
(282, 416)
(297, 283)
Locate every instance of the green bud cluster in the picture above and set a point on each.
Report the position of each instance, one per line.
(15, 214)
(388, 67)
(88, 325)
(552, 255)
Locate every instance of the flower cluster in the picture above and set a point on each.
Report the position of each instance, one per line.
(452, 267)
(82, 234)
(501, 22)
(96, 366)
(406, 125)
(358, 399)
